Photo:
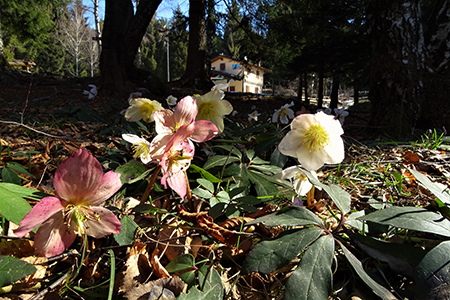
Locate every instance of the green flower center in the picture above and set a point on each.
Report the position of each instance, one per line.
(206, 111)
(315, 137)
(77, 215)
(146, 110)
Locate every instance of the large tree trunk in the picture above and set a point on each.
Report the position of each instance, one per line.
(398, 64)
(122, 34)
(196, 73)
(334, 96)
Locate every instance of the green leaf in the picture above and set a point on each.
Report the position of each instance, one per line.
(402, 258)
(13, 269)
(12, 206)
(205, 174)
(188, 277)
(278, 159)
(19, 169)
(290, 216)
(412, 218)
(250, 154)
(340, 197)
(231, 149)
(263, 186)
(202, 193)
(270, 255)
(180, 263)
(432, 274)
(378, 289)
(213, 288)
(206, 184)
(441, 194)
(126, 235)
(313, 278)
(130, 171)
(10, 176)
(23, 191)
(267, 168)
(219, 160)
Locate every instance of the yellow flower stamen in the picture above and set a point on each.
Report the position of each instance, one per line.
(315, 137)
(300, 176)
(139, 149)
(206, 111)
(146, 110)
(78, 214)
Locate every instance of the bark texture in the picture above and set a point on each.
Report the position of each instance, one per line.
(398, 64)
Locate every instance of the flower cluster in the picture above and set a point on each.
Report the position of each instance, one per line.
(283, 114)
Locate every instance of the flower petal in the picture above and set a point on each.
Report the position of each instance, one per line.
(40, 212)
(158, 145)
(110, 184)
(203, 131)
(78, 176)
(103, 223)
(311, 160)
(290, 143)
(133, 114)
(288, 172)
(186, 110)
(223, 107)
(164, 121)
(53, 237)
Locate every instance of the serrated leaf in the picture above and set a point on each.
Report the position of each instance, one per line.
(23, 192)
(127, 232)
(378, 289)
(340, 197)
(10, 176)
(13, 269)
(219, 160)
(412, 218)
(432, 273)
(206, 184)
(205, 174)
(289, 216)
(441, 194)
(313, 278)
(12, 206)
(273, 254)
(180, 263)
(130, 171)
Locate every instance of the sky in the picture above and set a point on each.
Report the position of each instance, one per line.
(165, 9)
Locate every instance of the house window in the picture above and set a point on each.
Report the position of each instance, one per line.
(256, 90)
(236, 66)
(232, 89)
(222, 67)
(247, 89)
(257, 73)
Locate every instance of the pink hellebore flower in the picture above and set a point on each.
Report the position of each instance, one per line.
(81, 187)
(182, 122)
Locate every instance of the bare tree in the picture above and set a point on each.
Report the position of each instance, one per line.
(92, 52)
(74, 32)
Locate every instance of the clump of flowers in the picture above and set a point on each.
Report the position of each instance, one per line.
(340, 113)
(92, 93)
(171, 100)
(254, 115)
(314, 140)
(283, 114)
(80, 187)
(212, 108)
(142, 108)
(141, 147)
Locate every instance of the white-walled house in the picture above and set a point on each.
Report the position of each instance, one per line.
(240, 76)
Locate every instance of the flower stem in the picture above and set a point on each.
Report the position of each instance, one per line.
(188, 193)
(150, 184)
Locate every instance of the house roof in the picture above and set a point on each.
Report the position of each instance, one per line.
(239, 61)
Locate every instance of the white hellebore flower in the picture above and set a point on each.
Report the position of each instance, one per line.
(134, 96)
(254, 115)
(301, 183)
(171, 100)
(141, 147)
(340, 113)
(142, 108)
(314, 140)
(92, 92)
(283, 114)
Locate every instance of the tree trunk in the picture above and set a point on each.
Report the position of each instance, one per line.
(196, 73)
(122, 35)
(306, 90)
(398, 64)
(320, 87)
(355, 94)
(334, 97)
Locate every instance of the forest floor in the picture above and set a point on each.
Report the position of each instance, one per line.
(45, 120)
